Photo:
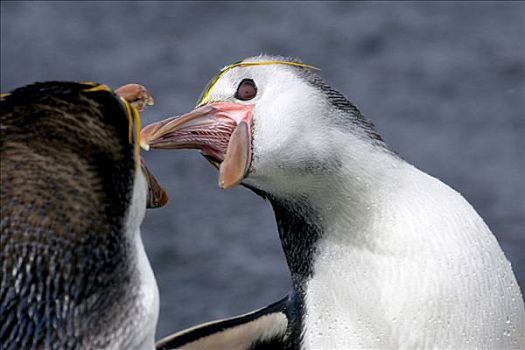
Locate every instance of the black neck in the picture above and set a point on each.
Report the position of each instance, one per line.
(299, 229)
(299, 225)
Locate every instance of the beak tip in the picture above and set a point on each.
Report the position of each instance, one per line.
(144, 145)
(226, 185)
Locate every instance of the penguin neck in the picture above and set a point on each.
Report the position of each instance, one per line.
(144, 305)
(336, 209)
(330, 218)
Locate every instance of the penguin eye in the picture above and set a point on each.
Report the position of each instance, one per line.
(246, 90)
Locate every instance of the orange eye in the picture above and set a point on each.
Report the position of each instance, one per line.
(246, 90)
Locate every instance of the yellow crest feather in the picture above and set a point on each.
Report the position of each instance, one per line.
(205, 98)
(100, 87)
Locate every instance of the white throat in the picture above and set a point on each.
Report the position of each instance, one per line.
(145, 319)
(412, 263)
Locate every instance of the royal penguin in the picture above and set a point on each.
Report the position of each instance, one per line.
(381, 254)
(74, 273)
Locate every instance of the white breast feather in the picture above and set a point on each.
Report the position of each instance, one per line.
(408, 263)
(146, 319)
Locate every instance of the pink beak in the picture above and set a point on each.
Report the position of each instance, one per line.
(221, 131)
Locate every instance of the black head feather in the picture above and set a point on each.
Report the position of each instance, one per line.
(67, 170)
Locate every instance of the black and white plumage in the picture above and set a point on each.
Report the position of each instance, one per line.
(381, 254)
(260, 329)
(74, 274)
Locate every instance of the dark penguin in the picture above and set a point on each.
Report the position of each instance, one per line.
(74, 274)
(381, 254)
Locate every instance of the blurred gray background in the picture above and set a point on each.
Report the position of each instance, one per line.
(443, 82)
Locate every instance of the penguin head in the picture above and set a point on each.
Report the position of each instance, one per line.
(266, 120)
(69, 153)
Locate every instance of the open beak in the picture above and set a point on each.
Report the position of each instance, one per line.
(136, 97)
(221, 131)
(157, 196)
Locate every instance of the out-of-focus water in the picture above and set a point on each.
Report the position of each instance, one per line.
(443, 82)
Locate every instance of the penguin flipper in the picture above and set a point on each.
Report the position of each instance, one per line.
(261, 329)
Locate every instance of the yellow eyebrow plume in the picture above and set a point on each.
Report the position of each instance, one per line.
(131, 112)
(206, 96)
(138, 127)
(133, 121)
(100, 87)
